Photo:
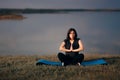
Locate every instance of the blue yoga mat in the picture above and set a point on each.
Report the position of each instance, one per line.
(84, 63)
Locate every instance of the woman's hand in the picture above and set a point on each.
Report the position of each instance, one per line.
(71, 48)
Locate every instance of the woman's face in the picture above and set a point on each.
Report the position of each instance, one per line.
(72, 35)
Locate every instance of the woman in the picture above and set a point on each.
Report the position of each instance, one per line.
(71, 46)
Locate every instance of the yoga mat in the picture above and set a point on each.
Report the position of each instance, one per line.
(84, 63)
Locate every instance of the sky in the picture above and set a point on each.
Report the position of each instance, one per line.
(59, 4)
(25, 36)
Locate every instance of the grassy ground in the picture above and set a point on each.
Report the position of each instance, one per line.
(24, 68)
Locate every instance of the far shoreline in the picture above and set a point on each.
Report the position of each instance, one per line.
(12, 17)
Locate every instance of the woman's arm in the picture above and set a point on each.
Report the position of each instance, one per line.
(62, 48)
(81, 48)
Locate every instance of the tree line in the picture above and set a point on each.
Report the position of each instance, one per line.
(28, 11)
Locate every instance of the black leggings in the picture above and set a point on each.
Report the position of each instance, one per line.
(70, 60)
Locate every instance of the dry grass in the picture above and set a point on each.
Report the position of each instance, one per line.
(24, 68)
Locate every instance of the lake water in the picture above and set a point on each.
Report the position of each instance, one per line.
(43, 33)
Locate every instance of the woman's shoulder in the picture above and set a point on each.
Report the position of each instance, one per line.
(65, 40)
(77, 39)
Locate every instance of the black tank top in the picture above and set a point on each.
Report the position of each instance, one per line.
(75, 44)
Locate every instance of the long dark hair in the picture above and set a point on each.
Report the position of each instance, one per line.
(71, 29)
